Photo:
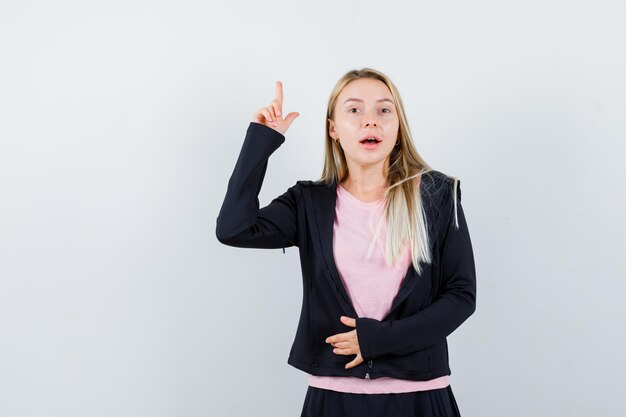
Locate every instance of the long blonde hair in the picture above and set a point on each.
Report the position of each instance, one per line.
(405, 215)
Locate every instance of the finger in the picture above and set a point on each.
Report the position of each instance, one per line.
(357, 361)
(273, 115)
(350, 322)
(343, 351)
(339, 337)
(291, 117)
(276, 106)
(263, 114)
(271, 110)
(279, 92)
(353, 363)
(345, 335)
(267, 114)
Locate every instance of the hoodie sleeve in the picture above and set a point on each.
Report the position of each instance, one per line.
(456, 302)
(240, 222)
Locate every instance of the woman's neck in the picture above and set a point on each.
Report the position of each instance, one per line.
(366, 189)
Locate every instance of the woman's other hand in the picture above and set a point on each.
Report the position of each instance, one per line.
(347, 343)
(271, 115)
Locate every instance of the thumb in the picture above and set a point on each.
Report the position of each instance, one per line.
(291, 117)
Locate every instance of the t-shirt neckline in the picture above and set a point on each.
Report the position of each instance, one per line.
(355, 200)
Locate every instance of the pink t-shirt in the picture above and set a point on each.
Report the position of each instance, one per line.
(371, 284)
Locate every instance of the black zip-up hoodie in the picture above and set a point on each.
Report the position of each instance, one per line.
(410, 342)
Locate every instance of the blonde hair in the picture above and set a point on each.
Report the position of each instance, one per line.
(405, 214)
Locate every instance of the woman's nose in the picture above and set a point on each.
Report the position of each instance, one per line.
(369, 120)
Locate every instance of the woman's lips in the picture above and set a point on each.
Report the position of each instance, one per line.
(370, 145)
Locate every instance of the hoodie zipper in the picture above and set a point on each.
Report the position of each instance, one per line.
(369, 369)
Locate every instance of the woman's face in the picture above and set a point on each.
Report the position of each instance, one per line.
(365, 108)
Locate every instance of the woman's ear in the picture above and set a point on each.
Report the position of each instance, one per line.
(331, 129)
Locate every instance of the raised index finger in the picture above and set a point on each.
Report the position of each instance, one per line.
(279, 92)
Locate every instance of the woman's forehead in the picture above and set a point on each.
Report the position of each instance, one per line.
(365, 90)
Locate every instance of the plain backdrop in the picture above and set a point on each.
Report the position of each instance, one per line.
(121, 122)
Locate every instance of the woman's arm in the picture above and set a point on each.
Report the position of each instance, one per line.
(433, 324)
(240, 222)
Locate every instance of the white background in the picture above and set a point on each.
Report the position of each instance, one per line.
(120, 124)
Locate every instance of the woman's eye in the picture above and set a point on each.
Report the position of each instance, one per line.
(354, 108)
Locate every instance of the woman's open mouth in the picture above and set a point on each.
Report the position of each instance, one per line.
(370, 143)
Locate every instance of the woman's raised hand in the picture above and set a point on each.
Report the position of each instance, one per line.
(271, 115)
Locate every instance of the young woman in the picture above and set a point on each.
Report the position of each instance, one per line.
(387, 261)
